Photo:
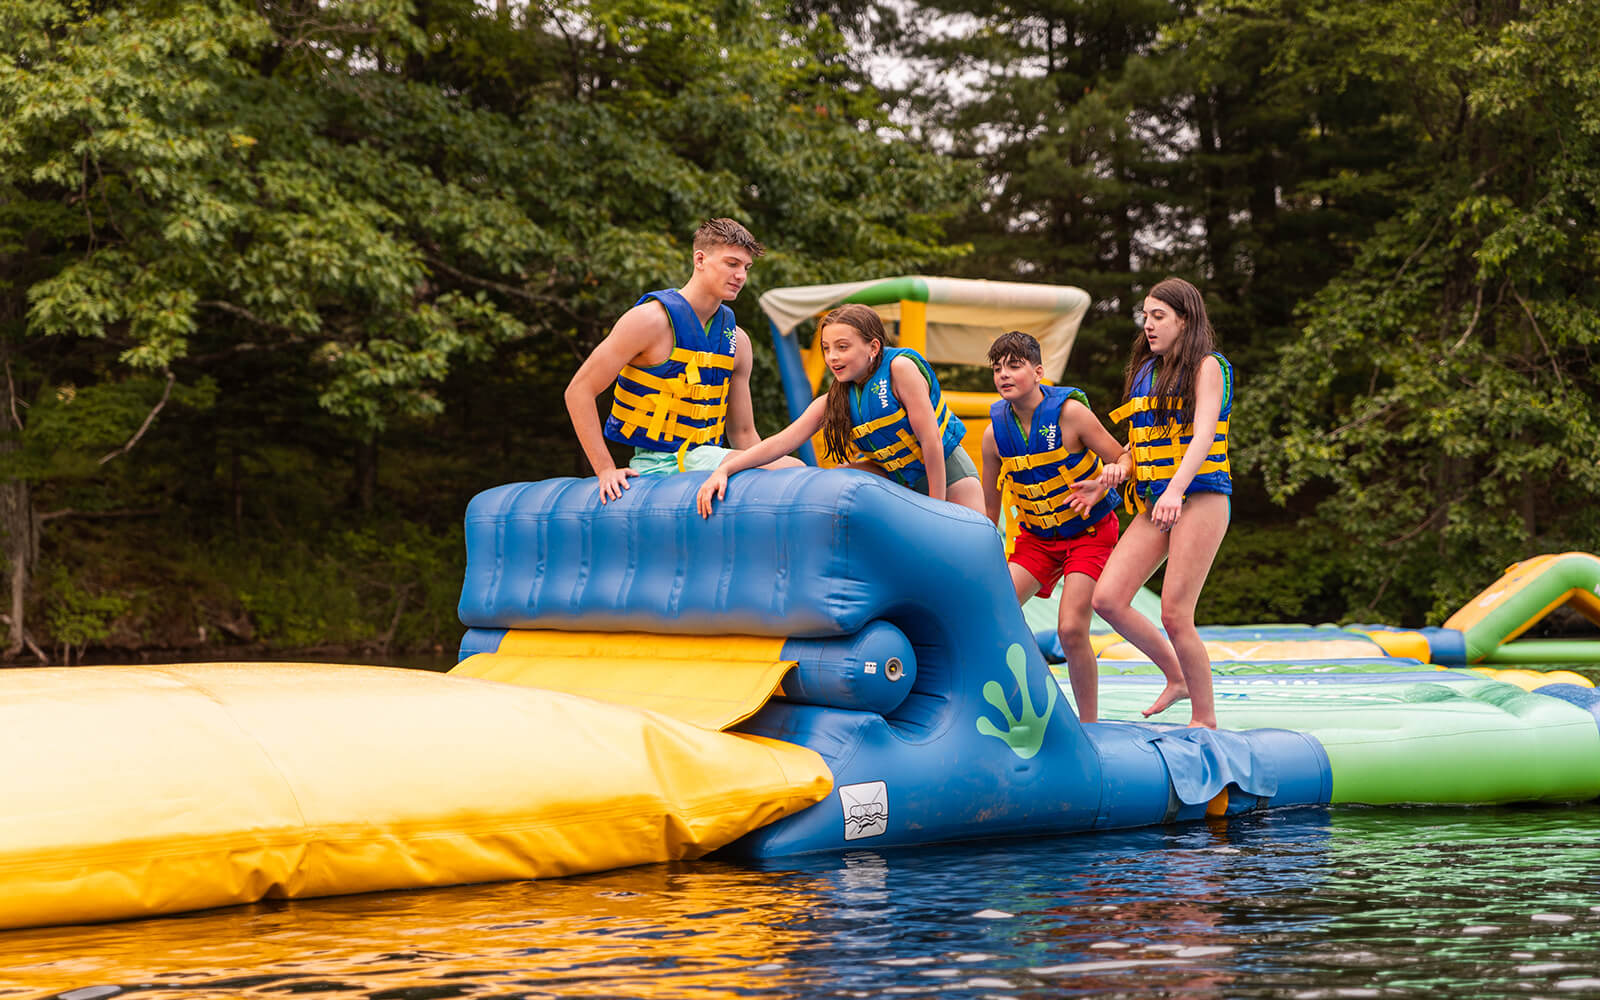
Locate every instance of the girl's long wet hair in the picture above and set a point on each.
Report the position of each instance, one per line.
(836, 422)
(1176, 373)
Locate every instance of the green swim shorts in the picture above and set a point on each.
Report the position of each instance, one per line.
(664, 463)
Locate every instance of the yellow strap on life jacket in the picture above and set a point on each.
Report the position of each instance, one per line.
(1043, 508)
(702, 359)
(1018, 462)
(1165, 444)
(905, 446)
(941, 412)
(1215, 462)
(904, 440)
(1055, 520)
(1144, 404)
(644, 405)
(660, 412)
(862, 430)
(662, 417)
(1036, 506)
(1082, 469)
(1170, 431)
(1156, 474)
(678, 386)
(1132, 502)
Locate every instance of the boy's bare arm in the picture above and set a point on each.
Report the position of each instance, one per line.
(637, 335)
(1080, 422)
(742, 431)
(1118, 459)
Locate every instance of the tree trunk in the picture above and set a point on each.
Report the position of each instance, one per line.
(19, 522)
(236, 491)
(1213, 185)
(366, 472)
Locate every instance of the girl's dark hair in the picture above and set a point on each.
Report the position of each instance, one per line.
(1176, 373)
(836, 422)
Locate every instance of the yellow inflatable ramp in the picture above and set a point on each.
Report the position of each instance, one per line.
(710, 681)
(131, 791)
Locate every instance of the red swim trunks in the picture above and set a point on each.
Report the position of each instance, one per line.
(1049, 559)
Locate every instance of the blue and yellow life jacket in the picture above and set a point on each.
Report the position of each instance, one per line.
(1158, 441)
(1040, 469)
(882, 432)
(683, 401)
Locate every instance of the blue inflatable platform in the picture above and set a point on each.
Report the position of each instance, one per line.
(978, 742)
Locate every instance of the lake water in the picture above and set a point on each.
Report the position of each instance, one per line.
(1303, 903)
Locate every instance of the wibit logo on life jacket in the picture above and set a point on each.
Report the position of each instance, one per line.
(1051, 432)
(882, 389)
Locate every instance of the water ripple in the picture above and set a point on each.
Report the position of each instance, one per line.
(1304, 903)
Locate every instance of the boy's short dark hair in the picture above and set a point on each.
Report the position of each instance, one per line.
(726, 233)
(1015, 344)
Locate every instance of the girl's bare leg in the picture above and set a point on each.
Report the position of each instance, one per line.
(1194, 543)
(967, 492)
(1139, 552)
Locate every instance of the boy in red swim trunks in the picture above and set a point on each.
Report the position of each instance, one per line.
(1061, 465)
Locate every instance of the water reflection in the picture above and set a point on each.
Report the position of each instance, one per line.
(1301, 903)
(661, 930)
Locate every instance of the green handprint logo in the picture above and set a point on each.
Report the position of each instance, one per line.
(1025, 735)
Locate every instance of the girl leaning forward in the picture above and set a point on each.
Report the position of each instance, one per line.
(884, 406)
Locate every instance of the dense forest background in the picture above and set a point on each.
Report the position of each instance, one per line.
(283, 284)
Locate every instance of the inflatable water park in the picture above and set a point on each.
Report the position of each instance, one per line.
(830, 662)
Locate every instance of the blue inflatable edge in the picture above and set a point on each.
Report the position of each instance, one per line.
(984, 745)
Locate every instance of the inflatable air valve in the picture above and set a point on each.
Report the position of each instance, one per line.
(872, 670)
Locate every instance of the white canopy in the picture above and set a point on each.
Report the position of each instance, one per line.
(964, 315)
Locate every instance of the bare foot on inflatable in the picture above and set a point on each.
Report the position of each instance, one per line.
(1197, 724)
(1170, 695)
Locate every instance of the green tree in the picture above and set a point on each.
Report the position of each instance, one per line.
(1125, 142)
(1386, 205)
(221, 224)
(1438, 416)
(198, 182)
(1053, 101)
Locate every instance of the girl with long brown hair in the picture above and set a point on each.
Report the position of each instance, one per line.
(884, 413)
(1179, 395)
